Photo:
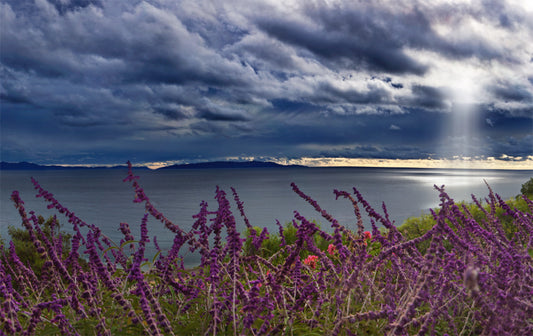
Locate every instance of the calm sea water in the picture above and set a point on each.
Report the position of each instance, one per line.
(100, 197)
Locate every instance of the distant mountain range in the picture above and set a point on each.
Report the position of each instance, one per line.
(227, 164)
(202, 165)
(33, 166)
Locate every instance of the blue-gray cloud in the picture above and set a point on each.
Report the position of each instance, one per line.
(104, 81)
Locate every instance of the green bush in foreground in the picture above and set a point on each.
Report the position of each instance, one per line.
(527, 188)
(415, 227)
(26, 250)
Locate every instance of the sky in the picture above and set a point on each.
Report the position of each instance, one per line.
(392, 83)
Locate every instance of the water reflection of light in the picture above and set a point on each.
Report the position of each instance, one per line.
(450, 178)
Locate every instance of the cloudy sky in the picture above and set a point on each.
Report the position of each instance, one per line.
(106, 81)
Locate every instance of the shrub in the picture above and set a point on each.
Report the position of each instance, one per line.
(471, 278)
(480, 212)
(26, 250)
(527, 188)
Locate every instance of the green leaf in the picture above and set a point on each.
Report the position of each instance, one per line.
(128, 242)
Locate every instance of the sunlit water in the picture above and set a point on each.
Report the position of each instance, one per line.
(100, 197)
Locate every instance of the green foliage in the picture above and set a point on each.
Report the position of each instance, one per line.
(193, 314)
(414, 227)
(272, 244)
(527, 188)
(26, 250)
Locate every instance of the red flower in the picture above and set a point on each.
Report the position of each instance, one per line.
(260, 284)
(332, 249)
(311, 261)
(367, 235)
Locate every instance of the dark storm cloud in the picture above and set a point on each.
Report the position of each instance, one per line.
(510, 92)
(514, 146)
(428, 97)
(262, 52)
(394, 85)
(72, 5)
(374, 37)
(220, 115)
(416, 130)
(503, 125)
(13, 93)
(143, 44)
(171, 113)
(344, 50)
(108, 80)
(14, 98)
(327, 93)
(378, 152)
(62, 6)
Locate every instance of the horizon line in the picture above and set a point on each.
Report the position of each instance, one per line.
(503, 163)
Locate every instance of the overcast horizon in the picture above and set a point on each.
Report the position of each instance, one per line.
(383, 83)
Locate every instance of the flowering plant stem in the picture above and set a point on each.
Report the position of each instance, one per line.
(468, 271)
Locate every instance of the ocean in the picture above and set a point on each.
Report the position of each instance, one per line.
(100, 197)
